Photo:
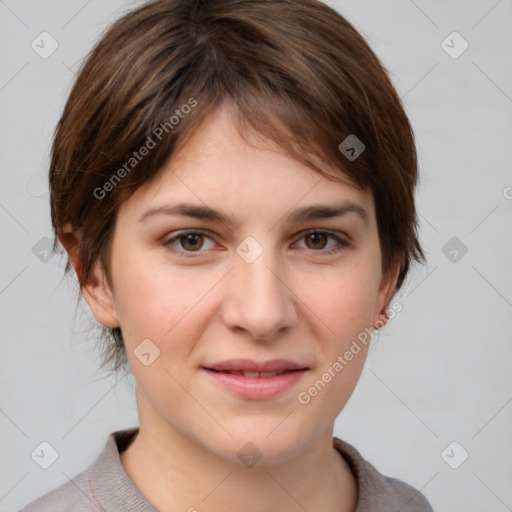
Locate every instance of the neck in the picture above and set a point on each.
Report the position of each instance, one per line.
(175, 473)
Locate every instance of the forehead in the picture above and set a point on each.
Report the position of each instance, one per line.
(242, 176)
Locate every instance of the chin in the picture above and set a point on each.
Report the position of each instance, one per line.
(257, 442)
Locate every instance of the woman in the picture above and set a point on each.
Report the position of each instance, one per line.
(234, 181)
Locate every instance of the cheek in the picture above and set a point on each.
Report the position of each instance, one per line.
(342, 307)
(342, 300)
(157, 301)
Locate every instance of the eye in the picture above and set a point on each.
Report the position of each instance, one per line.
(324, 241)
(189, 242)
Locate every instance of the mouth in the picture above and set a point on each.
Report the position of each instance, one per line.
(250, 366)
(253, 375)
(256, 380)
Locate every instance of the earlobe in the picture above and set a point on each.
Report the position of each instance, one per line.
(386, 290)
(96, 290)
(99, 296)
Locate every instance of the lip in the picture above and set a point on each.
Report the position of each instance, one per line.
(256, 388)
(248, 365)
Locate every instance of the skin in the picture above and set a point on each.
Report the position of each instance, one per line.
(295, 301)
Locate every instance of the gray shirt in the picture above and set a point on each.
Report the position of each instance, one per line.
(105, 486)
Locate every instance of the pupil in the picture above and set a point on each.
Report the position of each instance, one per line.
(191, 241)
(317, 238)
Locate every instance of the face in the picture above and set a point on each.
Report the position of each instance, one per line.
(234, 259)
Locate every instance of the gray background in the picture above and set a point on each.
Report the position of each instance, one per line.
(440, 371)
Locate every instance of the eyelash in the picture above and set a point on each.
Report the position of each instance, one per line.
(343, 243)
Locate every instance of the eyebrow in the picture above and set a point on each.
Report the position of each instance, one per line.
(313, 212)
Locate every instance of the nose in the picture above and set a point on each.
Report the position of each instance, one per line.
(258, 299)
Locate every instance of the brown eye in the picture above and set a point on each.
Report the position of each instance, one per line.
(316, 240)
(323, 242)
(192, 241)
(186, 243)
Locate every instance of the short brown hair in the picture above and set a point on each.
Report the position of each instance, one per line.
(296, 71)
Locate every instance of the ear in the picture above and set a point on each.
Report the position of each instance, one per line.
(386, 290)
(96, 290)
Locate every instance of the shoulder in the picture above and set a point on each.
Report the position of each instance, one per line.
(377, 492)
(103, 486)
(74, 495)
